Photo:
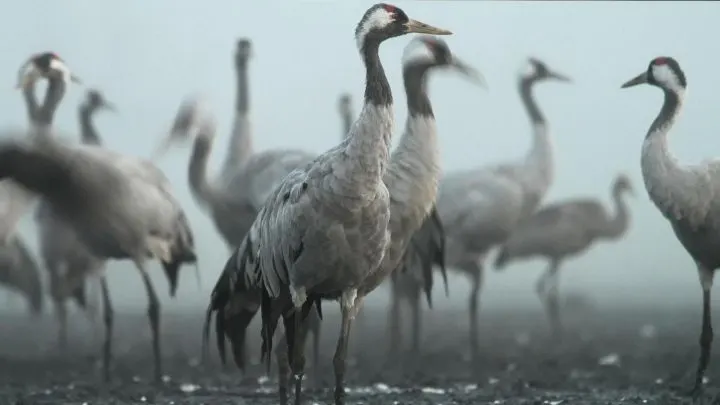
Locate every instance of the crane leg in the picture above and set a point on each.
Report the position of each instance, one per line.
(553, 300)
(347, 302)
(394, 321)
(154, 318)
(416, 324)
(108, 318)
(706, 336)
(295, 333)
(476, 278)
(315, 323)
(283, 363)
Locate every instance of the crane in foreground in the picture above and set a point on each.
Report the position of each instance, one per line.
(684, 194)
(562, 230)
(324, 231)
(119, 206)
(479, 208)
(67, 260)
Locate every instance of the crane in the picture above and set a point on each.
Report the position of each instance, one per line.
(324, 231)
(479, 208)
(119, 206)
(562, 230)
(684, 194)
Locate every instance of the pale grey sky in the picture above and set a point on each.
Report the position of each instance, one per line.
(145, 56)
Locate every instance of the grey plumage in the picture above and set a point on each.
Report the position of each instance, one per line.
(118, 206)
(686, 195)
(563, 230)
(479, 208)
(19, 271)
(325, 229)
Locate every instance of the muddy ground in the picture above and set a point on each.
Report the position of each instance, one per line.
(622, 356)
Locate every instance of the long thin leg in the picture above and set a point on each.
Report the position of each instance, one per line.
(394, 322)
(706, 336)
(347, 302)
(298, 356)
(108, 318)
(476, 279)
(154, 317)
(553, 300)
(283, 363)
(416, 324)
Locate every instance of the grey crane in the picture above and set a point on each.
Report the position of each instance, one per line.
(118, 206)
(324, 231)
(68, 261)
(562, 230)
(479, 208)
(240, 312)
(18, 269)
(684, 194)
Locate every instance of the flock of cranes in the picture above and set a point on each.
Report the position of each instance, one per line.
(302, 228)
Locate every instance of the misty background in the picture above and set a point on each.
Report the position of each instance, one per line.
(145, 57)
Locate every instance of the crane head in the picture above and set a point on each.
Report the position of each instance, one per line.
(383, 21)
(430, 50)
(345, 104)
(537, 70)
(190, 116)
(622, 184)
(243, 51)
(46, 65)
(95, 100)
(663, 72)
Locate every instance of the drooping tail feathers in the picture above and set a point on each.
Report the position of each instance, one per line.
(502, 259)
(234, 305)
(427, 250)
(182, 252)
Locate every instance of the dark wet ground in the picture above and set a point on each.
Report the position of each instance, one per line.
(627, 356)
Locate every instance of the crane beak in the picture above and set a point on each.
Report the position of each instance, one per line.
(559, 77)
(422, 28)
(637, 80)
(75, 79)
(473, 74)
(109, 107)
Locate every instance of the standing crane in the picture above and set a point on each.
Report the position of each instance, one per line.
(66, 258)
(480, 208)
(685, 195)
(326, 229)
(562, 230)
(118, 206)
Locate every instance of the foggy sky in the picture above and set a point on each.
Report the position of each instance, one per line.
(146, 56)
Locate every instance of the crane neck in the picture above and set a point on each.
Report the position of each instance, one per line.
(241, 147)
(415, 80)
(41, 116)
(88, 132)
(617, 226)
(200, 188)
(367, 146)
(538, 164)
(675, 190)
(347, 121)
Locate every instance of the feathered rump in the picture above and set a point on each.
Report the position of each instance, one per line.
(426, 250)
(234, 302)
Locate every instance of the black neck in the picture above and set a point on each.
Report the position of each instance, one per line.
(377, 88)
(415, 79)
(88, 133)
(31, 103)
(670, 108)
(526, 85)
(242, 102)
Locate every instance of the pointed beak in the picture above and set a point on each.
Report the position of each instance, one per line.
(559, 77)
(471, 73)
(75, 79)
(639, 79)
(422, 28)
(162, 147)
(109, 107)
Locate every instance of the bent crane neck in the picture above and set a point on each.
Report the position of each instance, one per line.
(677, 192)
(619, 223)
(200, 187)
(241, 146)
(88, 132)
(537, 167)
(41, 117)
